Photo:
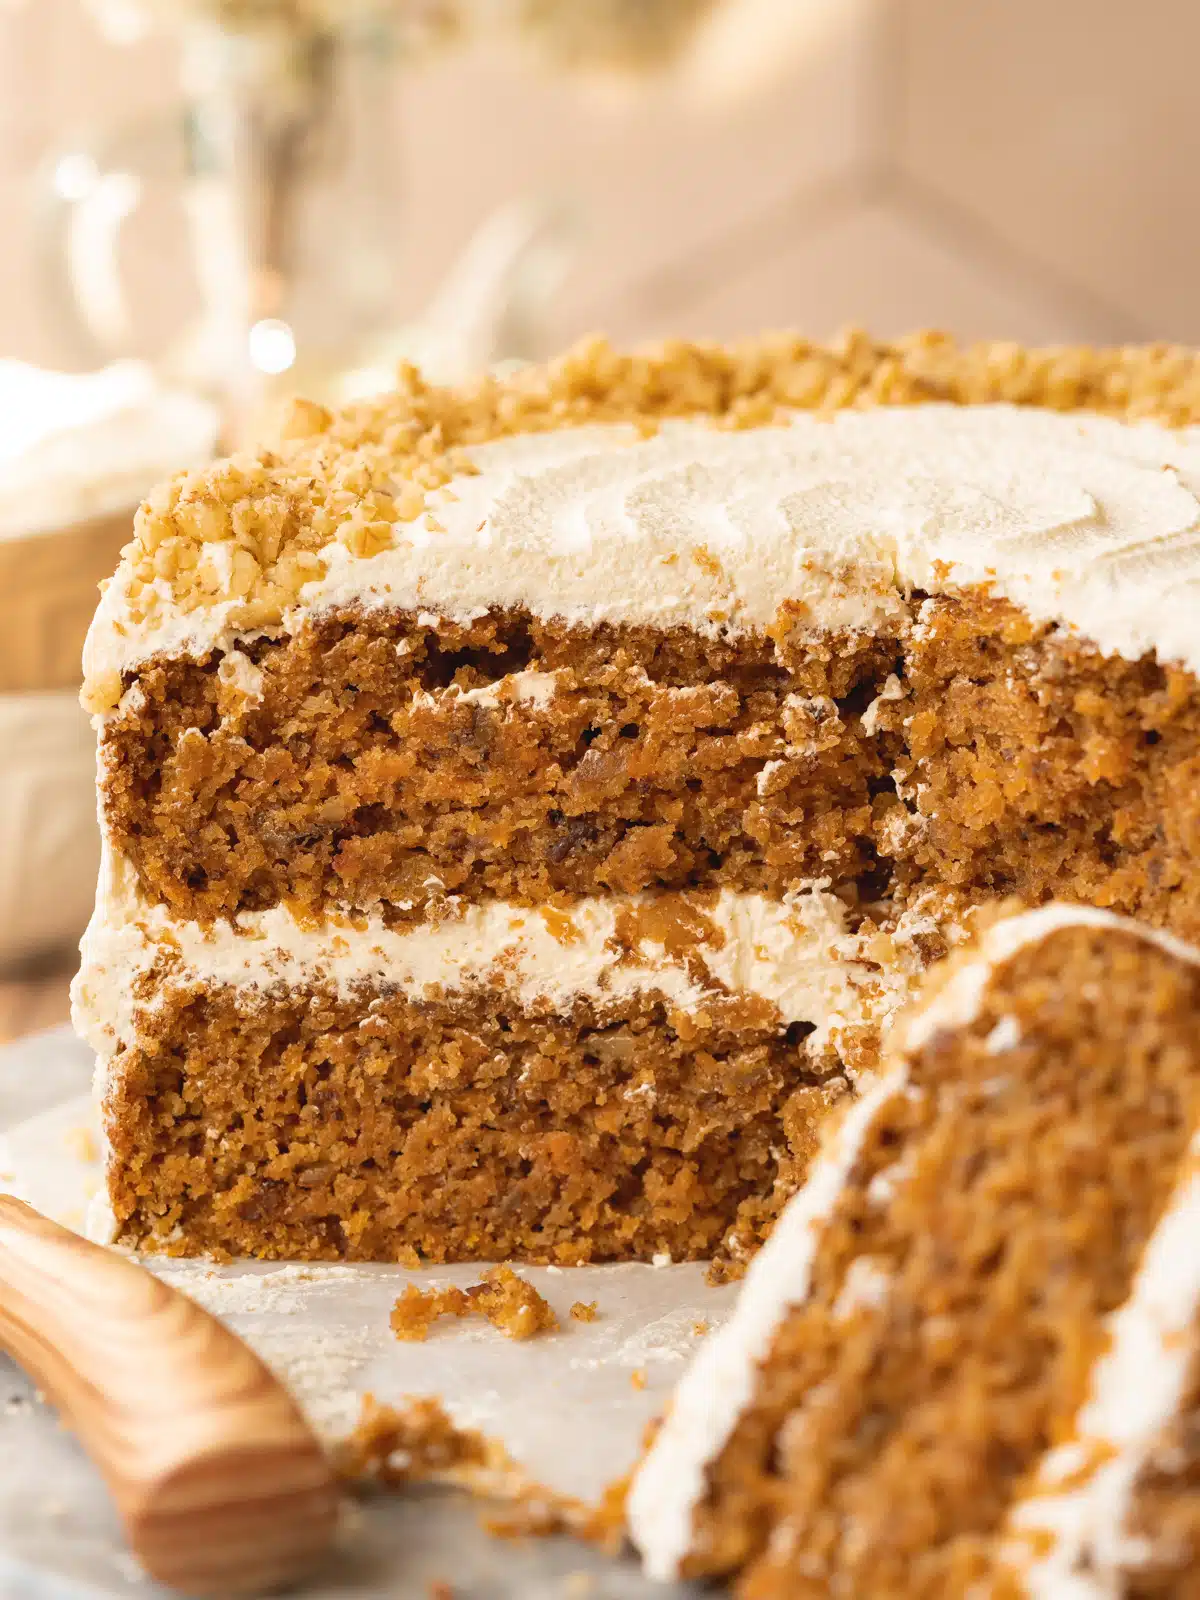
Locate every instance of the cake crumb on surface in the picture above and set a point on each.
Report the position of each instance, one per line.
(700, 1327)
(539, 1513)
(724, 1269)
(418, 1442)
(584, 1311)
(506, 1299)
(638, 1377)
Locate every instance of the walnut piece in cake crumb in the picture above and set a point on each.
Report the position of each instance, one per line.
(504, 1298)
(584, 1311)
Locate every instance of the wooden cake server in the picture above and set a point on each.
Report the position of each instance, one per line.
(221, 1485)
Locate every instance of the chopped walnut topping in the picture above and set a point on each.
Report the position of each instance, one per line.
(249, 530)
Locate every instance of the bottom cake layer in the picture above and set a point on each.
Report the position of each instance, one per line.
(376, 1127)
(625, 1078)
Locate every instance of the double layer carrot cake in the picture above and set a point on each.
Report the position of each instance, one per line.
(525, 805)
(966, 1363)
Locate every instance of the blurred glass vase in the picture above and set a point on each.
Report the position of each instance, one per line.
(284, 160)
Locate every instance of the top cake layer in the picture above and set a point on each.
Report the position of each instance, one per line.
(597, 491)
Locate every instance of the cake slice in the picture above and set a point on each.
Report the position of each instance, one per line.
(966, 1360)
(525, 805)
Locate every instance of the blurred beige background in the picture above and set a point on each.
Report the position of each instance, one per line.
(1014, 167)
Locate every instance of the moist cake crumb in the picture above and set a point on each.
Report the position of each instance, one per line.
(584, 1311)
(966, 1358)
(508, 1301)
(526, 805)
(416, 1443)
(453, 1129)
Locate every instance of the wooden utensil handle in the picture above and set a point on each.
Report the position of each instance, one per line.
(220, 1483)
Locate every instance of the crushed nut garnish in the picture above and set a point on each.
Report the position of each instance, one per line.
(249, 532)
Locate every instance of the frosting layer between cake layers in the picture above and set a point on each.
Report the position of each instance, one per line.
(822, 524)
(798, 954)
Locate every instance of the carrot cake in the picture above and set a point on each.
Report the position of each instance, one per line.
(966, 1361)
(524, 805)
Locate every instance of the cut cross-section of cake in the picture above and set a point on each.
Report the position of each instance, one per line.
(967, 1361)
(524, 805)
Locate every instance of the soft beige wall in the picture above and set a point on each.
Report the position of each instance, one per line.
(1013, 167)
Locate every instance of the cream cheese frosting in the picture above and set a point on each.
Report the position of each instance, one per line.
(708, 1402)
(799, 954)
(719, 1384)
(958, 1002)
(1082, 520)
(1071, 1538)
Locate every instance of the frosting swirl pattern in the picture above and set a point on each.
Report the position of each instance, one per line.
(1079, 519)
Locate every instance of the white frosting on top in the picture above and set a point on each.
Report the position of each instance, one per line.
(1077, 518)
(797, 953)
(712, 1394)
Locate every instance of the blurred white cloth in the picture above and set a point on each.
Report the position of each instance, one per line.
(77, 454)
(49, 840)
(81, 445)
